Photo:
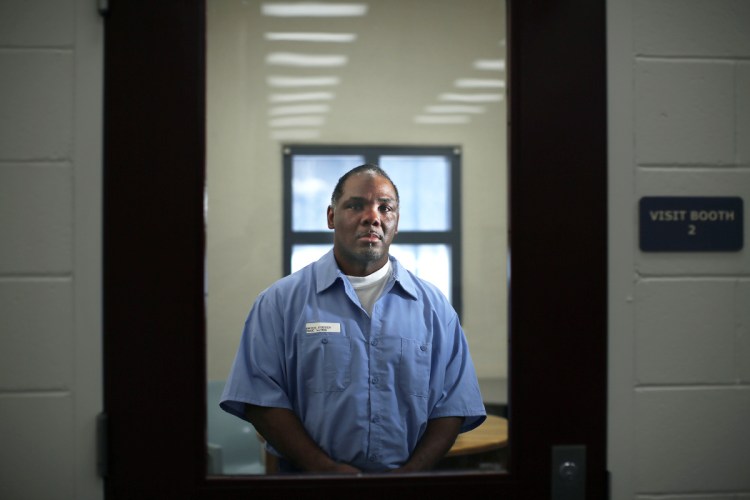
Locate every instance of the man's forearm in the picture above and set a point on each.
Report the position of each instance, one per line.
(284, 431)
(438, 438)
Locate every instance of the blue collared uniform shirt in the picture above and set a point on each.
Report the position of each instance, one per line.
(364, 387)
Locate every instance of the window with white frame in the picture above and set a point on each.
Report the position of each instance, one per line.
(428, 180)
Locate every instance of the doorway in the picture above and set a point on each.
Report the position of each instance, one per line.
(154, 256)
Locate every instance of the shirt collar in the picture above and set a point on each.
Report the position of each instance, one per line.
(327, 272)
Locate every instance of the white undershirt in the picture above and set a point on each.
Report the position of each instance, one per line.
(370, 287)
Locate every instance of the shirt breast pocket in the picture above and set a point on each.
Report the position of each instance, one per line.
(325, 362)
(414, 367)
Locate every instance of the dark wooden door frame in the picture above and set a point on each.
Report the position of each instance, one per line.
(154, 238)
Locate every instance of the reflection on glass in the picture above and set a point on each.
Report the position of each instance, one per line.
(423, 183)
(426, 220)
(417, 72)
(312, 181)
(424, 186)
(429, 262)
(233, 446)
(303, 255)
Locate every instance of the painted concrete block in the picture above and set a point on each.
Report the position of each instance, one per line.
(694, 182)
(37, 23)
(36, 347)
(742, 306)
(36, 105)
(692, 440)
(684, 112)
(36, 214)
(743, 113)
(709, 496)
(692, 28)
(685, 331)
(38, 447)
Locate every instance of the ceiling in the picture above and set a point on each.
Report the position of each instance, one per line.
(323, 70)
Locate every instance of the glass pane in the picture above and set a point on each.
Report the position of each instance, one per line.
(392, 76)
(303, 255)
(429, 262)
(424, 187)
(313, 179)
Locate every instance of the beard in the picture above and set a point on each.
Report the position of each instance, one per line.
(363, 255)
(370, 253)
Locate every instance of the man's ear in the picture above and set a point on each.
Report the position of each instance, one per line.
(330, 217)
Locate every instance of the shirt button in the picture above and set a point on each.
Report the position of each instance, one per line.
(374, 343)
(423, 347)
(374, 380)
(373, 458)
(325, 340)
(375, 419)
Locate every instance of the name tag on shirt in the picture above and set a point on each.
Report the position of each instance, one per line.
(311, 328)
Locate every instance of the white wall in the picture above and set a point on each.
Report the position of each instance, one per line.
(679, 87)
(679, 125)
(50, 250)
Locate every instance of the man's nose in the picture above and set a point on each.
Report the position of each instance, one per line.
(372, 216)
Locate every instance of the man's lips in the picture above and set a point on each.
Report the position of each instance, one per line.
(370, 236)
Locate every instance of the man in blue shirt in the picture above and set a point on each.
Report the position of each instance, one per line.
(353, 364)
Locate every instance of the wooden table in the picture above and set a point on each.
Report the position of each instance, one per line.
(491, 435)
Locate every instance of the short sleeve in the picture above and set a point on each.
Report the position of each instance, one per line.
(460, 395)
(257, 374)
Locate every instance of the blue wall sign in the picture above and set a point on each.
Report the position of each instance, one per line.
(691, 224)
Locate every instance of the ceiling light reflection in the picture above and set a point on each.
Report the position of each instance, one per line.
(441, 120)
(311, 37)
(454, 108)
(301, 96)
(314, 9)
(302, 81)
(305, 60)
(471, 97)
(299, 109)
(297, 121)
(490, 64)
(480, 83)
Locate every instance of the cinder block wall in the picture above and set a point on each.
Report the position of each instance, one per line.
(50, 248)
(679, 85)
(679, 93)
